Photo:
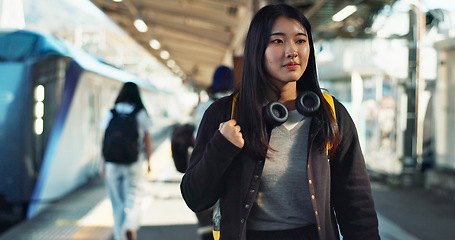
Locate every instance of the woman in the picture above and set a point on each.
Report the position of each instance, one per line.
(123, 181)
(280, 182)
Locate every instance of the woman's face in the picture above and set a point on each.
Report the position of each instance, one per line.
(287, 52)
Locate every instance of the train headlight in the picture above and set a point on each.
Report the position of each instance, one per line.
(39, 109)
(39, 93)
(38, 126)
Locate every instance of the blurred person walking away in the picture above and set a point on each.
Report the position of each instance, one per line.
(127, 142)
(222, 85)
(282, 158)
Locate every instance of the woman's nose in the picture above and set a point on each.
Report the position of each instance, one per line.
(291, 54)
(290, 51)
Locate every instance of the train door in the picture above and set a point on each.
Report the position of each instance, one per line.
(88, 105)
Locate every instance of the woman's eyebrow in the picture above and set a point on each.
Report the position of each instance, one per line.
(277, 34)
(282, 34)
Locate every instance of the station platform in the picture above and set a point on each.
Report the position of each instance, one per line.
(86, 214)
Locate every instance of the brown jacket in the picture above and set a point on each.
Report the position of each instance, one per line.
(340, 188)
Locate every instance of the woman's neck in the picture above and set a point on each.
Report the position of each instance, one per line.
(288, 95)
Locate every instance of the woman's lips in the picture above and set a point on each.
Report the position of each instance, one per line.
(292, 65)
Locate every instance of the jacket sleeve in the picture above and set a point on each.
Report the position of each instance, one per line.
(351, 191)
(212, 155)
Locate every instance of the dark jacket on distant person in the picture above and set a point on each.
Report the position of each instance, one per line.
(220, 170)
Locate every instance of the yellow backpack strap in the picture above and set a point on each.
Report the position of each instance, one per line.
(216, 235)
(329, 99)
(234, 100)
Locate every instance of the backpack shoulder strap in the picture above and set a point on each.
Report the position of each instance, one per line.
(135, 111)
(329, 99)
(114, 112)
(234, 100)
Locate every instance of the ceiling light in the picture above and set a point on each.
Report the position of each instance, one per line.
(164, 54)
(117, 0)
(170, 63)
(176, 69)
(155, 44)
(140, 25)
(344, 13)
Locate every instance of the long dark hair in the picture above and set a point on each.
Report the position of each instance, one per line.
(130, 94)
(255, 83)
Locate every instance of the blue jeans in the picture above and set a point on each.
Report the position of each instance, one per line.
(124, 187)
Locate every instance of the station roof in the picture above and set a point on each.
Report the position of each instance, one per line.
(199, 35)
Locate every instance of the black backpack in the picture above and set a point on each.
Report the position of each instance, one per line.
(181, 140)
(120, 144)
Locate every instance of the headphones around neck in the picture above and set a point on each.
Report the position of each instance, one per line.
(306, 103)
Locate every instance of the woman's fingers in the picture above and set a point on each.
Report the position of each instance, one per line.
(232, 132)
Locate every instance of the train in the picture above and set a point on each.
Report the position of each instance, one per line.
(52, 98)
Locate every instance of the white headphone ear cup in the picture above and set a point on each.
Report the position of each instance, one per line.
(275, 113)
(307, 103)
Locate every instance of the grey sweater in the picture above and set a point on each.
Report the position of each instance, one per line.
(283, 201)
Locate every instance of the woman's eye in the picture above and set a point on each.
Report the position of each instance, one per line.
(276, 41)
(301, 41)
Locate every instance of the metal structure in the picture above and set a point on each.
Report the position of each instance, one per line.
(198, 35)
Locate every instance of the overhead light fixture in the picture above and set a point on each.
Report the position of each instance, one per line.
(164, 54)
(140, 25)
(117, 0)
(155, 44)
(344, 13)
(176, 69)
(170, 63)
